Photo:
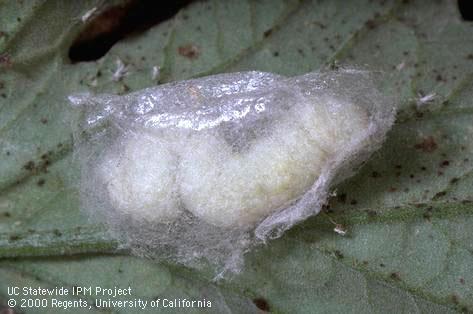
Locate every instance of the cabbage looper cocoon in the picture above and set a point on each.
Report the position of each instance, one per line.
(208, 167)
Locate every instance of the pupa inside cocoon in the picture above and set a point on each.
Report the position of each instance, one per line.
(206, 168)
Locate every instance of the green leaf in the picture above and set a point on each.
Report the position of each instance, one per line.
(407, 213)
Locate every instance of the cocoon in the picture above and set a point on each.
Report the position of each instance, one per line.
(141, 180)
(228, 188)
(206, 168)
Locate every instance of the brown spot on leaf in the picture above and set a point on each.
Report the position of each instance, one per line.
(375, 174)
(189, 51)
(29, 165)
(338, 254)
(5, 60)
(444, 163)
(262, 304)
(41, 182)
(14, 237)
(42, 166)
(371, 24)
(44, 120)
(427, 145)
(454, 298)
(395, 276)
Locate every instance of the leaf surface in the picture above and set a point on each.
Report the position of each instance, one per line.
(408, 212)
